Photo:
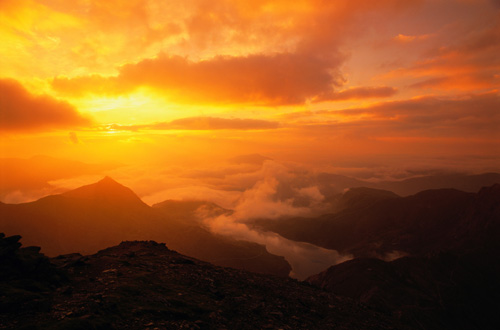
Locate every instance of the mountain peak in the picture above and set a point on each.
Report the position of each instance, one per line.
(106, 190)
(107, 180)
(364, 197)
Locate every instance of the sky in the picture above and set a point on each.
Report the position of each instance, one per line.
(179, 88)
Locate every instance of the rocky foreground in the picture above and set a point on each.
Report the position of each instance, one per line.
(144, 285)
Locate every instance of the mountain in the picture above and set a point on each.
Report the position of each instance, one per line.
(443, 291)
(194, 210)
(463, 182)
(107, 191)
(145, 285)
(31, 177)
(441, 250)
(430, 221)
(362, 197)
(102, 214)
(332, 184)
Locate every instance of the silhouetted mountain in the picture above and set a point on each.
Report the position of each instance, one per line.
(449, 281)
(362, 197)
(32, 175)
(468, 183)
(192, 209)
(334, 183)
(444, 291)
(144, 285)
(92, 217)
(449, 278)
(430, 221)
(338, 182)
(107, 191)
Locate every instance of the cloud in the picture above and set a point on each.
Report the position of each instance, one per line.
(430, 116)
(255, 159)
(203, 123)
(279, 191)
(305, 259)
(359, 93)
(259, 79)
(467, 82)
(275, 190)
(408, 38)
(267, 53)
(464, 58)
(22, 111)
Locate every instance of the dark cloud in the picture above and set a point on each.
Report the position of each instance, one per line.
(203, 123)
(22, 111)
(476, 112)
(469, 81)
(258, 79)
(469, 115)
(466, 60)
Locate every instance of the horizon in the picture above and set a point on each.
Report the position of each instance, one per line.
(107, 195)
(91, 180)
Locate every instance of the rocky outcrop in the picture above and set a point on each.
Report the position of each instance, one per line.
(27, 278)
(144, 285)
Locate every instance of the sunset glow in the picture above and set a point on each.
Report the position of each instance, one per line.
(336, 84)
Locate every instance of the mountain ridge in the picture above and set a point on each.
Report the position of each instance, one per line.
(145, 285)
(427, 221)
(105, 213)
(106, 190)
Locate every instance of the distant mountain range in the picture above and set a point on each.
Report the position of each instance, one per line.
(99, 215)
(441, 249)
(431, 259)
(375, 223)
(333, 184)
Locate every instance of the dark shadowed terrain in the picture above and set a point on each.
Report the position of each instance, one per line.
(375, 223)
(443, 291)
(441, 250)
(144, 285)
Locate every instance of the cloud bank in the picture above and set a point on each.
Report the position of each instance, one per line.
(203, 123)
(23, 111)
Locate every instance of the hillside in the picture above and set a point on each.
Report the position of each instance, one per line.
(144, 285)
(103, 214)
(430, 221)
(443, 291)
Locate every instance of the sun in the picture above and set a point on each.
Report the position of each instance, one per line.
(132, 109)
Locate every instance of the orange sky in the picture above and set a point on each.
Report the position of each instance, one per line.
(327, 83)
